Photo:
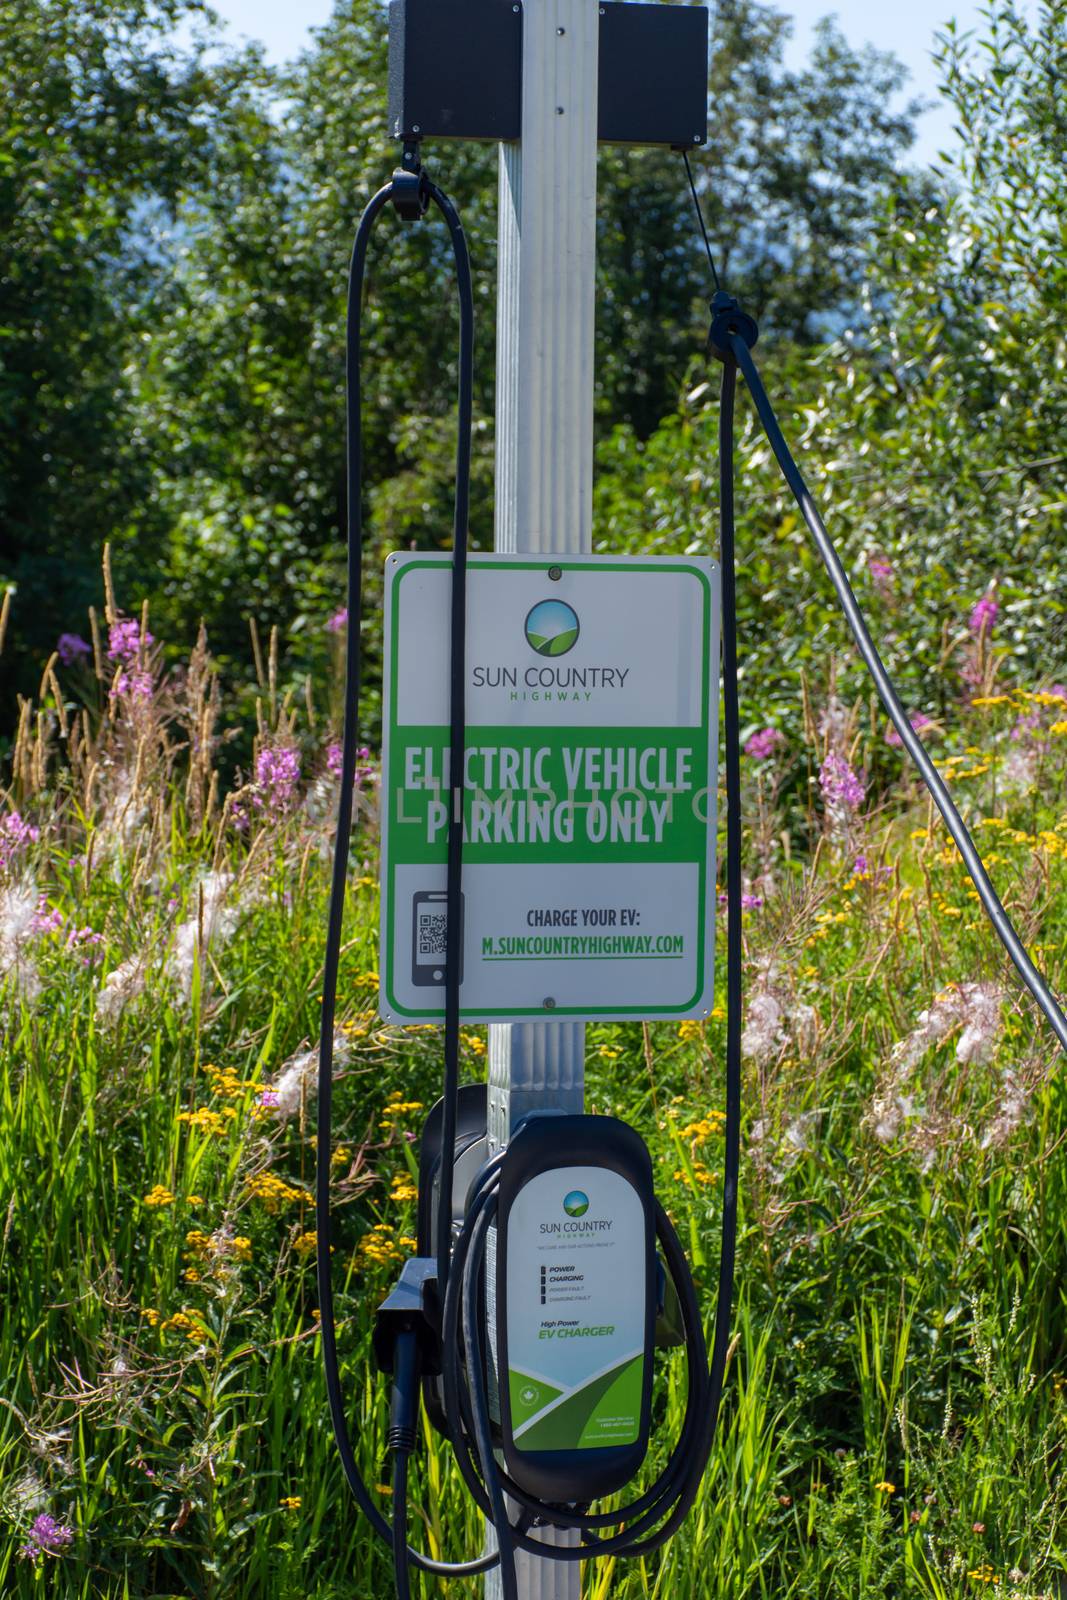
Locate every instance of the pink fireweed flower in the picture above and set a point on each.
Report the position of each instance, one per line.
(70, 647)
(15, 835)
(882, 574)
(277, 776)
(364, 773)
(749, 902)
(46, 1536)
(842, 788)
(47, 919)
(338, 621)
(137, 685)
(1026, 725)
(124, 640)
(984, 615)
(919, 722)
(764, 744)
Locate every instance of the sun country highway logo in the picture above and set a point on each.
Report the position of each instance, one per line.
(576, 1204)
(552, 628)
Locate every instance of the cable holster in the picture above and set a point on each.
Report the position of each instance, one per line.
(412, 1307)
(728, 319)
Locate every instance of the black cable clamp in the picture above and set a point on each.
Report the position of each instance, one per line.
(728, 319)
(411, 186)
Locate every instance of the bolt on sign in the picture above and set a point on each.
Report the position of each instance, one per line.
(589, 787)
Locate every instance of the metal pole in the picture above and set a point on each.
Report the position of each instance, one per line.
(544, 465)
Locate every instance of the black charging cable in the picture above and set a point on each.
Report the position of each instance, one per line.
(731, 338)
(412, 193)
(731, 333)
(647, 1522)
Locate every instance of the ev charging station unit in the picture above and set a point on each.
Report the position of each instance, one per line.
(550, 774)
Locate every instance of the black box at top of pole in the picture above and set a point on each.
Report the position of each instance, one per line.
(455, 71)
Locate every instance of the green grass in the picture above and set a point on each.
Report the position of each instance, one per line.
(895, 1412)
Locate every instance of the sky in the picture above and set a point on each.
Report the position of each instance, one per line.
(906, 27)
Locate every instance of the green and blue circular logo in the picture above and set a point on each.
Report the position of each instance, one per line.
(576, 1204)
(552, 628)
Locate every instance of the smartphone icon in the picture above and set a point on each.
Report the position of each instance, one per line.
(429, 925)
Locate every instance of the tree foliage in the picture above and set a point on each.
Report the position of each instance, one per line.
(174, 271)
(931, 431)
(105, 124)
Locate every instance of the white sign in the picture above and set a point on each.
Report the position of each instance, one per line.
(590, 787)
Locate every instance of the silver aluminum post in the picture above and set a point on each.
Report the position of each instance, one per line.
(544, 469)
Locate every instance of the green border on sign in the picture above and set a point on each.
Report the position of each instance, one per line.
(597, 564)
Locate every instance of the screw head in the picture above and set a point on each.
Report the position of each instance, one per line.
(415, 128)
(555, 573)
(560, 32)
(559, 111)
(549, 1003)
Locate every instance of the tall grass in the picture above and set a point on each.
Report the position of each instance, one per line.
(896, 1409)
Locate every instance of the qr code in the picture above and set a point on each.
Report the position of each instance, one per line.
(432, 934)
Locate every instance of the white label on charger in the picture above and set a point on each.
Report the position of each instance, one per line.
(576, 1310)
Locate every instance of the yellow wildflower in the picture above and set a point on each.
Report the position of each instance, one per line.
(241, 1247)
(359, 1026)
(378, 1248)
(992, 700)
(290, 1502)
(196, 1199)
(984, 1574)
(701, 1173)
(705, 1127)
(305, 1244)
(886, 1488)
(1059, 728)
(206, 1121)
(225, 1082)
(403, 1189)
(158, 1195)
(274, 1192)
(690, 1029)
(395, 1109)
(368, 979)
(473, 1042)
(606, 1053)
(188, 1321)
